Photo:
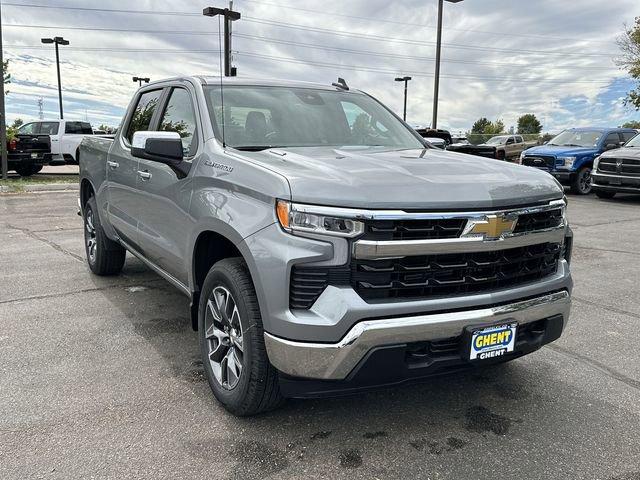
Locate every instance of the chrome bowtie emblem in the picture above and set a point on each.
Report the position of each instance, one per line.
(492, 227)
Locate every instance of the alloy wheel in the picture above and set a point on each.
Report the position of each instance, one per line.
(585, 181)
(223, 333)
(90, 235)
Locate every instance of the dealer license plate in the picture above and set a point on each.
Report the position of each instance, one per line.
(493, 342)
(34, 155)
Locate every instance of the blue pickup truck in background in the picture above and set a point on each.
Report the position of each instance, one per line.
(569, 156)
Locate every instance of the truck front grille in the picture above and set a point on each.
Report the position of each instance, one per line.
(425, 276)
(453, 274)
(545, 162)
(431, 229)
(532, 222)
(620, 166)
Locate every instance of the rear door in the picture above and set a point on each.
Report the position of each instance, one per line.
(122, 168)
(164, 195)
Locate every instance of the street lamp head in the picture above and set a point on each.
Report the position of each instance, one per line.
(453, 1)
(48, 40)
(403, 79)
(213, 11)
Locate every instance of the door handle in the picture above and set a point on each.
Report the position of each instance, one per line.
(112, 165)
(144, 175)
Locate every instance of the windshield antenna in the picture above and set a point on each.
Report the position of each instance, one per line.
(224, 144)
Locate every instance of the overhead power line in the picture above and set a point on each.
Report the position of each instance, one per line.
(402, 57)
(115, 49)
(308, 10)
(323, 31)
(363, 68)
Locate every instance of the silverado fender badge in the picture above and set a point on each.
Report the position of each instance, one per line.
(219, 166)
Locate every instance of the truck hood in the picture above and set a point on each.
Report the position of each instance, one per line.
(405, 179)
(559, 150)
(628, 152)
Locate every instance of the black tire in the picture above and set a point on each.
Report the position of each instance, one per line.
(104, 256)
(500, 155)
(581, 183)
(256, 389)
(28, 170)
(604, 194)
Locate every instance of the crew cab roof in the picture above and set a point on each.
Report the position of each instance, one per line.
(216, 80)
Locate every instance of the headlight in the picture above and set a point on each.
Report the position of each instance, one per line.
(295, 217)
(521, 157)
(596, 161)
(567, 162)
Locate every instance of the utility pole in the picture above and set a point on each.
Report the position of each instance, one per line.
(406, 81)
(436, 81)
(3, 117)
(229, 16)
(58, 41)
(41, 108)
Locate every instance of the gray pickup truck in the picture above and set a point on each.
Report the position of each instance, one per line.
(325, 247)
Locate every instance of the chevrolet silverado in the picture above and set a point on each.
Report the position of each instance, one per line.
(325, 247)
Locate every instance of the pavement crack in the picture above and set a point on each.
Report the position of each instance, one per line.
(587, 225)
(53, 245)
(606, 250)
(606, 307)
(608, 371)
(75, 292)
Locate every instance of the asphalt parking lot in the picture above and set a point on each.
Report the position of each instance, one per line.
(101, 378)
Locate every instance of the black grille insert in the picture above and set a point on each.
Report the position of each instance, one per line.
(385, 230)
(532, 222)
(427, 275)
(621, 166)
(453, 274)
(540, 161)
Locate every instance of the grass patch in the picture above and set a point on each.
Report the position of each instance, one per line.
(17, 184)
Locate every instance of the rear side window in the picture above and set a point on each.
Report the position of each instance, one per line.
(82, 128)
(612, 138)
(49, 128)
(143, 113)
(180, 117)
(626, 136)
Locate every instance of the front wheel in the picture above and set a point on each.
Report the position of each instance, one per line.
(581, 184)
(232, 341)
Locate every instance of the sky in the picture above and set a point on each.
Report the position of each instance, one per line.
(500, 58)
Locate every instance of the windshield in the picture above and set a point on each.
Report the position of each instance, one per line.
(497, 141)
(257, 117)
(574, 138)
(634, 142)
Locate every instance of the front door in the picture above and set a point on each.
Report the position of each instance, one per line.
(164, 194)
(122, 170)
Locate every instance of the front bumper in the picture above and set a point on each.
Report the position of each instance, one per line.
(615, 183)
(337, 361)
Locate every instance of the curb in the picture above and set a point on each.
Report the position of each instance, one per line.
(43, 187)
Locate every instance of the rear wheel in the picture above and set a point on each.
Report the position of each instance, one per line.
(604, 194)
(581, 184)
(232, 341)
(104, 256)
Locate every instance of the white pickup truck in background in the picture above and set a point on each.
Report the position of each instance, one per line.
(65, 137)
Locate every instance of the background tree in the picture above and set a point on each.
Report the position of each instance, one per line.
(629, 43)
(528, 124)
(12, 129)
(483, 129)
(632, 124)
(5, 74)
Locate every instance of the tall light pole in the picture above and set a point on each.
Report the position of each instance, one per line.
(229, 16)
(3, 118)
(141, 79)
(58, 41)
(436, 82)
(406, 81)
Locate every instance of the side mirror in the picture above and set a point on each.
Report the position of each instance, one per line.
(161, 147)
(611, 146)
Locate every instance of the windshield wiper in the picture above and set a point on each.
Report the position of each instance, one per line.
(571, 145)
(255, 148)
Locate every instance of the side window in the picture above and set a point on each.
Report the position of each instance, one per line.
(626, 136)
(510, 141)
(519, 140)
(180, 117)
(612, 138)
(49, 128)
(141, 118)
(28, 129)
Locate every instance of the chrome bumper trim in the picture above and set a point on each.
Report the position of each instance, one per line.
(370, 250)
(335, 361)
